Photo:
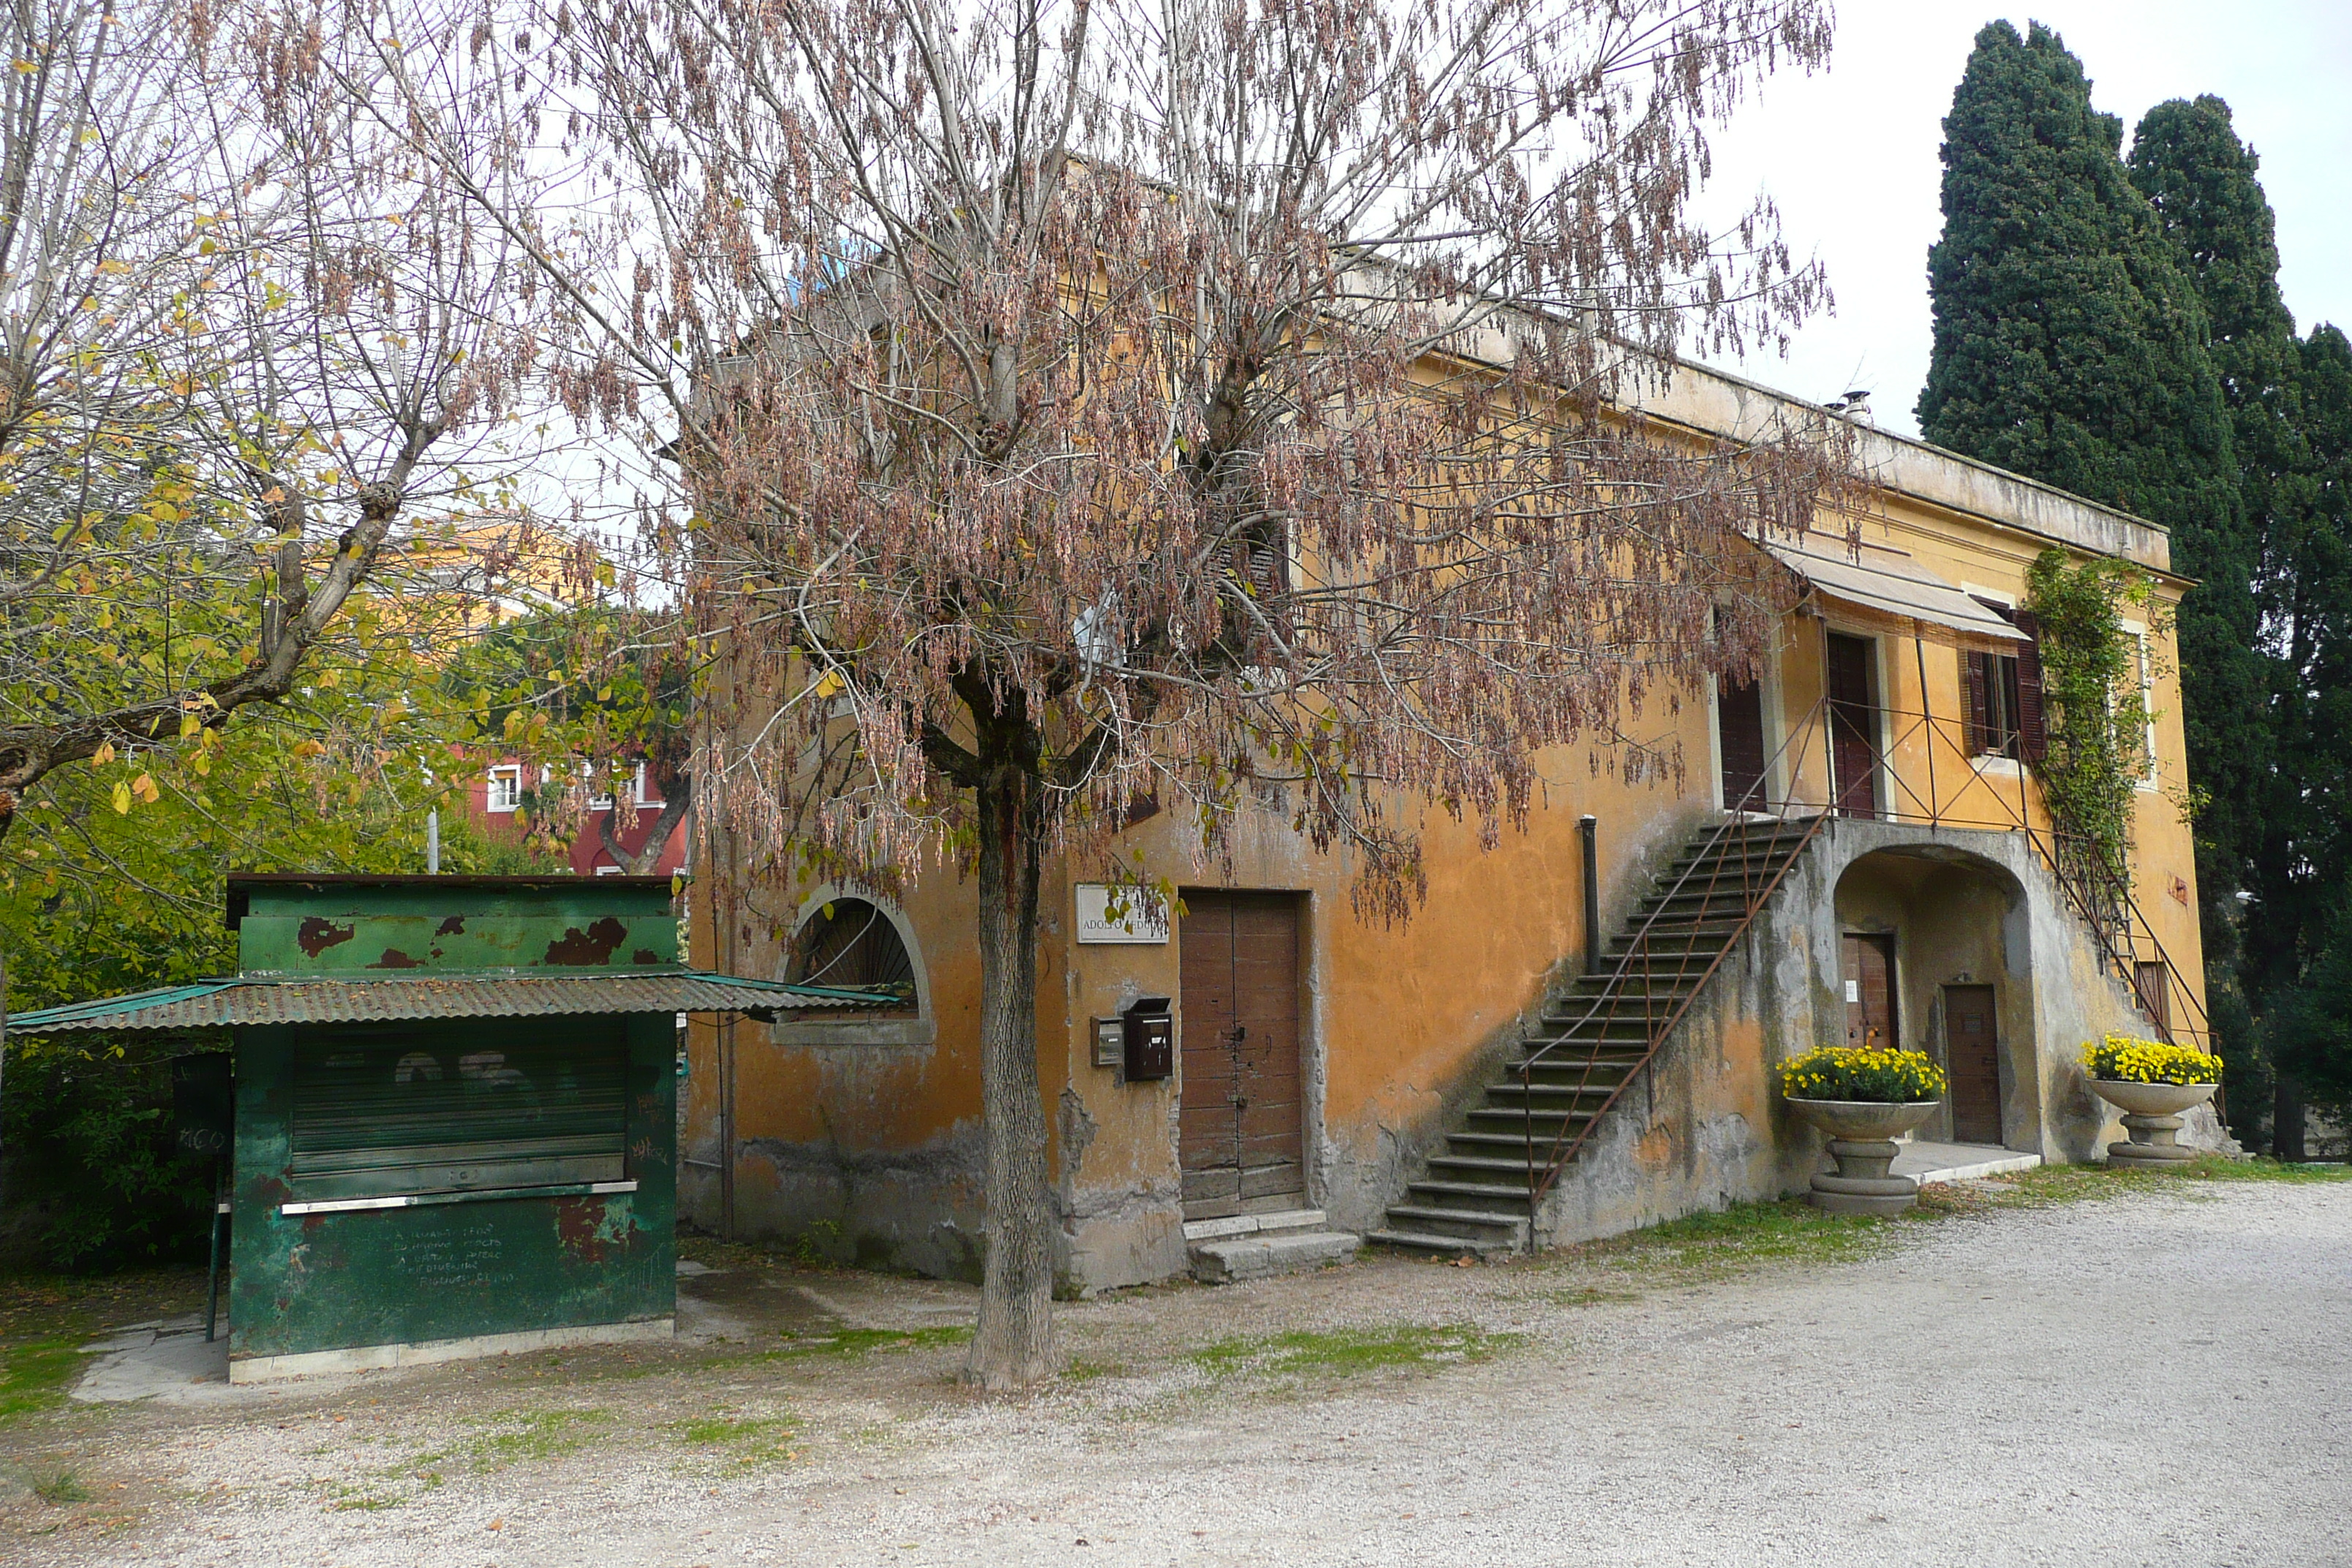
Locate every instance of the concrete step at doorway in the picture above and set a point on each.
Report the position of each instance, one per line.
(1260, 1245)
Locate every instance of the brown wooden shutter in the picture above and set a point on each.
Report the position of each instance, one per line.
(1974, 722)
(2033, 732)
(1740, 744)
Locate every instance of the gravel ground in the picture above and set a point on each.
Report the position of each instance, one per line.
(2158, 1377)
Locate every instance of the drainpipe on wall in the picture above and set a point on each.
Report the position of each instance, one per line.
(1587, 825)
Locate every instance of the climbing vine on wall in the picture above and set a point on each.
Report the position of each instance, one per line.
(2093, 686)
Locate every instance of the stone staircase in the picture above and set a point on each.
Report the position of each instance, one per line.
(1473, 1199)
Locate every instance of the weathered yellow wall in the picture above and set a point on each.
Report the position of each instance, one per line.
(875, 1150)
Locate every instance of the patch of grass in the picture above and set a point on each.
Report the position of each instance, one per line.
(61, 1489)
(2049, 1184)
(512, 1437)
(368, 1498)
(1343, 1352)
(740, 1438)
(1713, 1245)
(1078, 1370)
(2261, 1168)
(520, 1434)
(846, 1343)
(1587, 1296)
(36, 1373)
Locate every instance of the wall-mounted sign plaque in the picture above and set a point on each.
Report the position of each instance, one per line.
(1120, 914)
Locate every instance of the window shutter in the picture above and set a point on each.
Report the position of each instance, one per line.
(381, 1112)
(1974, 723)
(2033, 732)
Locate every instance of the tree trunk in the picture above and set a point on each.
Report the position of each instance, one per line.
(2286, 1120)
(1014, 1345)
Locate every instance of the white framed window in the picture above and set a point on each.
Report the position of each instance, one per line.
(506, 788)
(608, 871)
(644, 787)
(2145, 665)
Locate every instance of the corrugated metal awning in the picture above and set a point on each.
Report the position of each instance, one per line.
(273, 999)
(1888, 582)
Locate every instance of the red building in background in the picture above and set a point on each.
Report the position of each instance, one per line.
(496, 797)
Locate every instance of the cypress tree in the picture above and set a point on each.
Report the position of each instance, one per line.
(2291, 418)
(2299, 929)
(2069, 347)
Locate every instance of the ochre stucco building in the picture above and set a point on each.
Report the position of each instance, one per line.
(1897, 880)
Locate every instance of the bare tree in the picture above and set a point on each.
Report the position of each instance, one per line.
(244, 332)
(1223, 402)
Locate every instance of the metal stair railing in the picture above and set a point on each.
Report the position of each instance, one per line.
(2100, 899)
(1754, 812)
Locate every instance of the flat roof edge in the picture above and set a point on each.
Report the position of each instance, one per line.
(1723, 404)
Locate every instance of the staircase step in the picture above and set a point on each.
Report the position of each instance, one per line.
(1442, 1246)
(1728, 857)
(1504, 1145)
(1549, 1100)
(1588, 1040)
(1673, 937)
(1662, 966)
(1573, 1067)
(1689, 900)
(1470, 1224)
(1604, 1028)
(1507, 1202)
(1480, 1170)
(1544, 1124)
(1235, 1258)
(1754, 841)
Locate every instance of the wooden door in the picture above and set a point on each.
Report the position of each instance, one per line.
(1870, 990)
(2153, 981)
(1972, 1058)
(1853, 725)
(1740, 744)
(1241, 1126)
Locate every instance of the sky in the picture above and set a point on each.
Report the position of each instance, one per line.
(1851, 156)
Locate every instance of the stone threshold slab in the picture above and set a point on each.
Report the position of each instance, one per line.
(1253, 1224)
(1924, 1161)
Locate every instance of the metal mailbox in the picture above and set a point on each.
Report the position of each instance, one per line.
(1151, 1039)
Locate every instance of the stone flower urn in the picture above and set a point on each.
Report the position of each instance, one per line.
(1862, 1139)
(2152, 1118)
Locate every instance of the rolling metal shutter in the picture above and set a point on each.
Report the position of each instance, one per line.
(381, 1113)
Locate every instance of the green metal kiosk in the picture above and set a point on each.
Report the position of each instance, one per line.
(455, 1112)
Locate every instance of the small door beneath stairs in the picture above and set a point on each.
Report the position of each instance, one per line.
(1972, 1056)
(1243, 1121)
(1870, 990)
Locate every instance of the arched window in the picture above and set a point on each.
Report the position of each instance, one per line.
(849, 942)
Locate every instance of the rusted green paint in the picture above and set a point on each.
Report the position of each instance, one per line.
(486, 1264)
(332, 928)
